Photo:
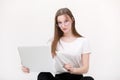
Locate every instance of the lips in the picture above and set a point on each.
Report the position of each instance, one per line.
(64, 28)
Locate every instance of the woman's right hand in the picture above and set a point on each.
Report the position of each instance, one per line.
(25, 69)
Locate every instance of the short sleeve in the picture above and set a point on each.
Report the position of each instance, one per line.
(86, 46)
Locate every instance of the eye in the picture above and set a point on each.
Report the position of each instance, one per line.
(66, 21)
(59, 22)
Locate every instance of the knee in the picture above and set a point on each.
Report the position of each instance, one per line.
(44, 76)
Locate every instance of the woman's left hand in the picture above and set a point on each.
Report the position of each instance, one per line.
(69, 68)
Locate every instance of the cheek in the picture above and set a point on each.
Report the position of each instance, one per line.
(70, 26)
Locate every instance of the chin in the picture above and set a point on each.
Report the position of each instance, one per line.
(65, 31)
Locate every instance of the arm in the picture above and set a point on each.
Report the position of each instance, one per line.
(83, 69)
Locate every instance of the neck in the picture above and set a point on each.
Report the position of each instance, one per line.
(68, 35)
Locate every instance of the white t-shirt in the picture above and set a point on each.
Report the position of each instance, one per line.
(70, 52)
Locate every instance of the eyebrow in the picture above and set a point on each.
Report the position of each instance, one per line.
(64, 20)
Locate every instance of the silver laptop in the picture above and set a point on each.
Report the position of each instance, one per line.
(37, 59)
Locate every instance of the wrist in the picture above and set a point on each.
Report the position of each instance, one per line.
(73, 71)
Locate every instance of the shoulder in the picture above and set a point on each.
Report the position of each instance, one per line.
(83, 39)
(85, 45)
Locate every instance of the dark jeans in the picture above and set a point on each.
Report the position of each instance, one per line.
(62, 76)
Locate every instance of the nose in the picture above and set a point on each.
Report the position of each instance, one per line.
(63, 25)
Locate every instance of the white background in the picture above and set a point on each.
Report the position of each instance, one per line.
(31, 23)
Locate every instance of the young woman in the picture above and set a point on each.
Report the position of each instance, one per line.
(69, 49)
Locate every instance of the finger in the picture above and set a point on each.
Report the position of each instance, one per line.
(26, 71)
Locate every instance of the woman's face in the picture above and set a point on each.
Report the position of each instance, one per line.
(65, 23)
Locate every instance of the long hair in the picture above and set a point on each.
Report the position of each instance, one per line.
(58, 33)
